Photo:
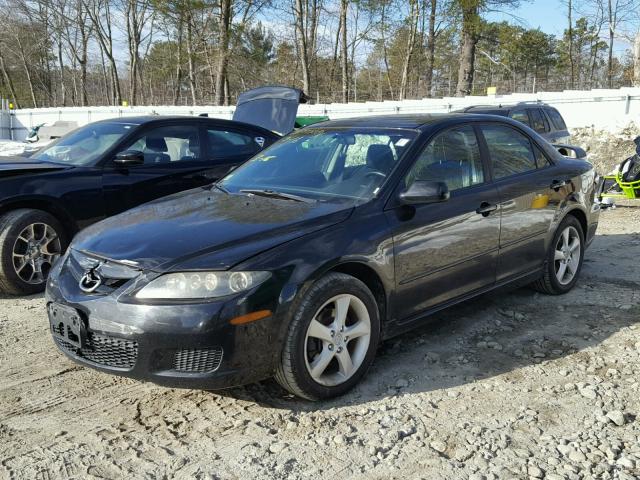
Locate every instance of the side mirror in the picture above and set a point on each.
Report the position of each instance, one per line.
(422, 191)
(570, 151)
(128, 158)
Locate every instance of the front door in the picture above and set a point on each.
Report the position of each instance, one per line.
(445, 250)
(528, 201)
(173, 162)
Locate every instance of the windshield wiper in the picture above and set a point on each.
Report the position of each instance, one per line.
(275, 194)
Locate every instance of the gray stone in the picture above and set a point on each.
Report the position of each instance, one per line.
(617, 417)
(439, 446)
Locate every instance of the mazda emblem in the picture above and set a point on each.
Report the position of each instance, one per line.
(90, 281)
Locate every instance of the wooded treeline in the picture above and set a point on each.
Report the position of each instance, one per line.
(105, 52)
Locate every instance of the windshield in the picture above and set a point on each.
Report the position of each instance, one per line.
(324, 163)
(83, 146)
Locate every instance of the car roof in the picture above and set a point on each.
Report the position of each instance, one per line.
(151, 119)
(503, 109)
(413, 122)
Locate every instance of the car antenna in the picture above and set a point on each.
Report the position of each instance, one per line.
(206, 115)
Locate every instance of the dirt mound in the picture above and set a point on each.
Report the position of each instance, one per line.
(606, 149)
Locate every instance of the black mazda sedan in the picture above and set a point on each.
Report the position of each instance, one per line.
(297, 264)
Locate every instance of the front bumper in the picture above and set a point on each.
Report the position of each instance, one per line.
(175, 345)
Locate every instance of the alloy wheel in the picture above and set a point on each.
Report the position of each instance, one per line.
(337, 340)
(35, 251)
(567, 255)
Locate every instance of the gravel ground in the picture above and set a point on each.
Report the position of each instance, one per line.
(510, 385)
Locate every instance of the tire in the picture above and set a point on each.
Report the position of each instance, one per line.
(49, 242)
(550, 282)
(304, 352)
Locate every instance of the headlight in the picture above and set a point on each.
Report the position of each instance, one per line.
(201, 284)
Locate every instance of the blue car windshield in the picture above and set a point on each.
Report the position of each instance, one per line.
(83, 146)
(324, 163)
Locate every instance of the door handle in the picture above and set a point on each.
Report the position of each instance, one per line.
(486, 208)
(558, 184)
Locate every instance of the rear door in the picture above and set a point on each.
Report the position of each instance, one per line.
(527, 200)
(444, 250)
(228, 147)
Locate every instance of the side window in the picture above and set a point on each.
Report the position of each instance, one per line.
(510, 151)
(539, 123)
(168, 144)
(556, 119)
(541, 160)
(225, 143)
(520, 116)
(452, 157)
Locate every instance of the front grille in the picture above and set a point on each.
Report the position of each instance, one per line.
(102, 350)
(197, 360)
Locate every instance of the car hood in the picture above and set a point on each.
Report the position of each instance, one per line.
(12, 166)
(273, 108)
(204, 229)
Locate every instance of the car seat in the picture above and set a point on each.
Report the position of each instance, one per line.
(449, 164)
(380, 158)
(193, 150)
(155, 151)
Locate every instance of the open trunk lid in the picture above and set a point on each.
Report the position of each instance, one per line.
(273, 108)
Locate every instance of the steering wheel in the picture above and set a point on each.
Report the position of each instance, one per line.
(375, 173)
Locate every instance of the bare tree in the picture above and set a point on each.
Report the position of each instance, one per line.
(414, 14)
(99, 12)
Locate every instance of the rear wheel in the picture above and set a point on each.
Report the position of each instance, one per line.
(31, 241)
(332, 339)
(564, 260)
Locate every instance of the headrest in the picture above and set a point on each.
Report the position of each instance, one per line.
(380, 157)
(194, 144)
(157, 144)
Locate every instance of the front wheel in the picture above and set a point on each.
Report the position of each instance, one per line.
(332, 338)
(564, 260)
(31, 241)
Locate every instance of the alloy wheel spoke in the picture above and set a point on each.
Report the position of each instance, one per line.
(358, 330)
(320, 363)
(318, 330)
(561, 271)
(341, 310)
(558, 255)
(574, 245)
(565, 237)
(345, 363)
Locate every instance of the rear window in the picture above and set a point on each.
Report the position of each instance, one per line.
(539, 122)
(520, 116)
(556, 119)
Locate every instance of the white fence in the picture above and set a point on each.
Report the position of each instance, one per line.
(601, 109)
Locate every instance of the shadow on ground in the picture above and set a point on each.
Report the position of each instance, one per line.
(522, 326)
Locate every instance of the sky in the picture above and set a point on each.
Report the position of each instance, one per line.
(548, 15)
